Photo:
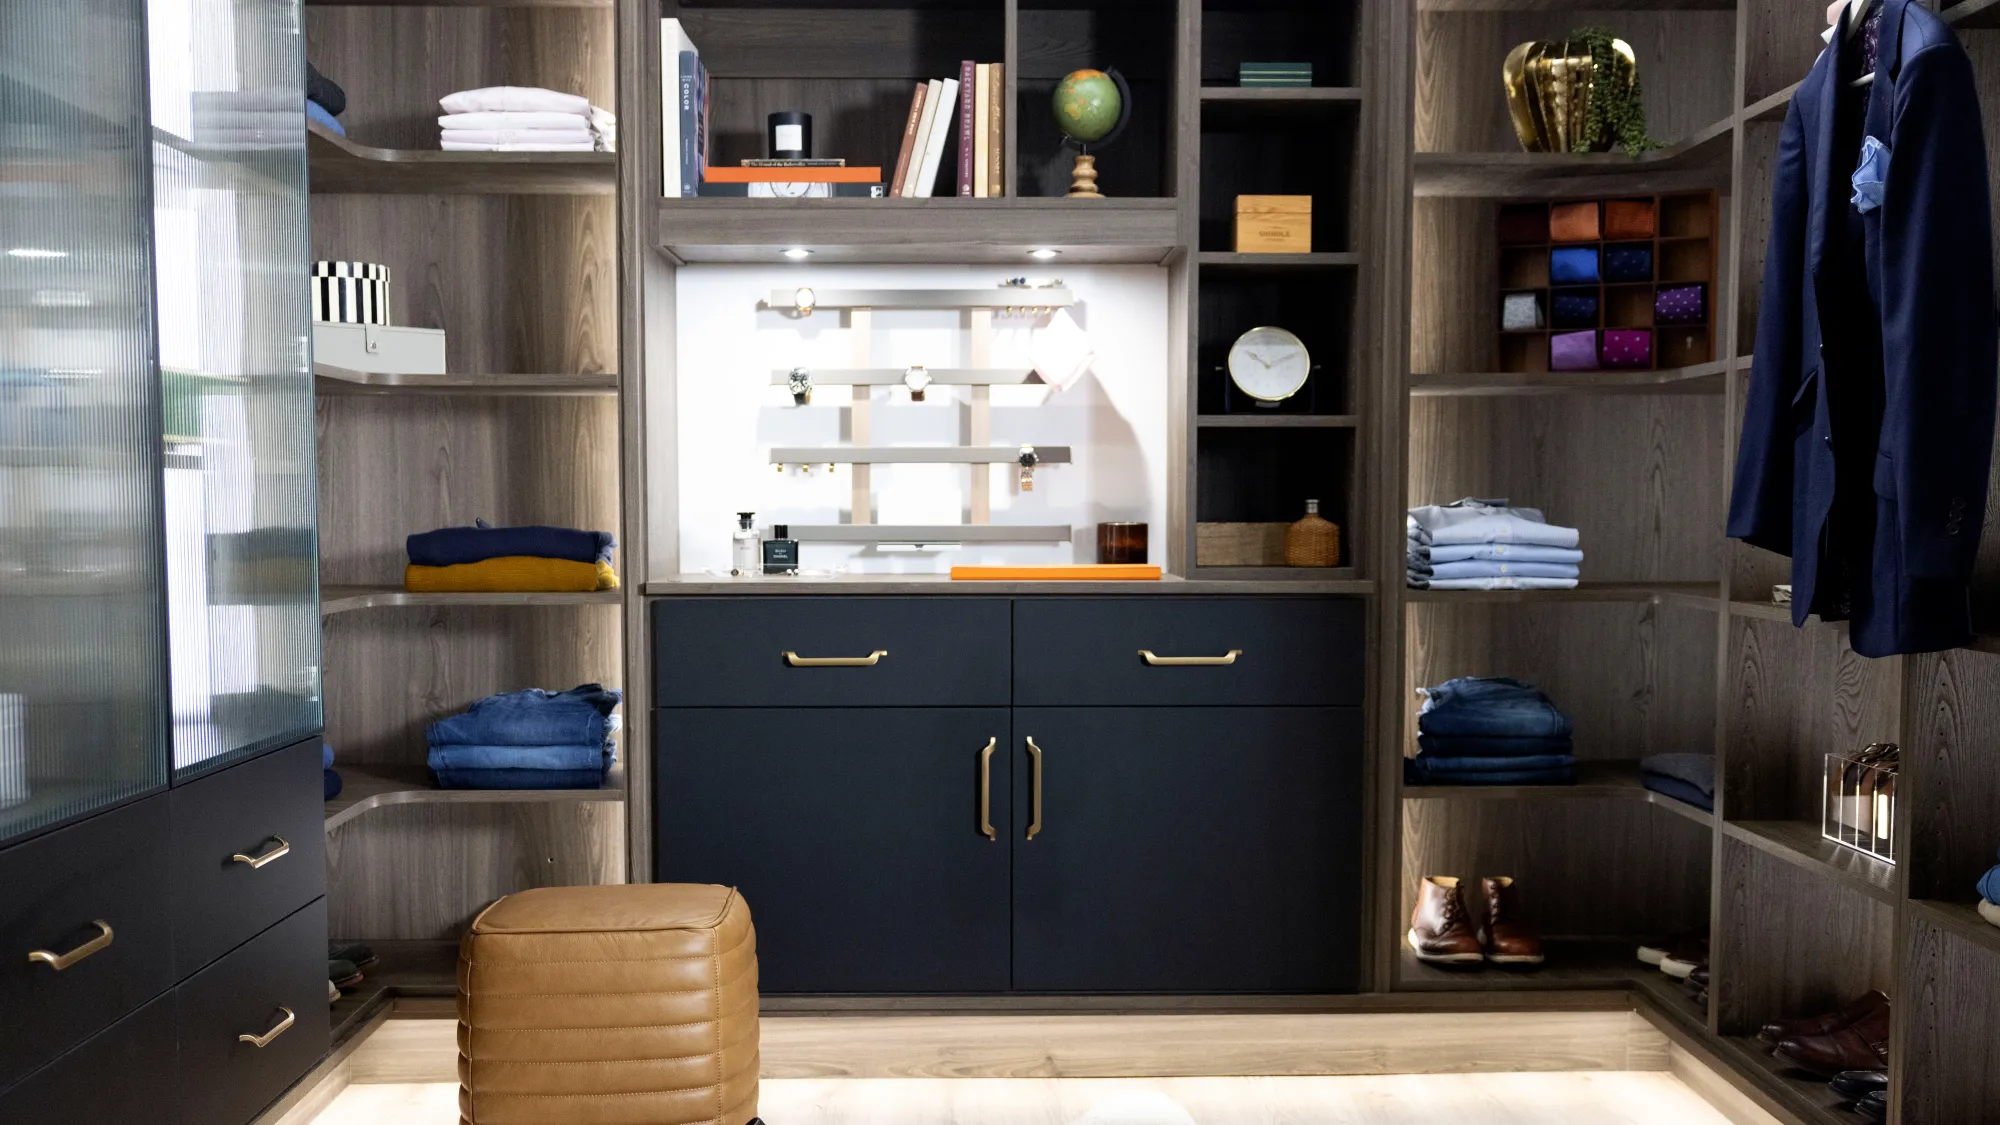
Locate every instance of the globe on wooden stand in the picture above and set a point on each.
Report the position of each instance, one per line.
(1091, 109)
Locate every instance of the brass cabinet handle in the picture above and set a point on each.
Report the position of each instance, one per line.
(264, 1040)
(283, 849)
(1035, 788)
(61, 961)
(986, 789)
(1155, 661)
(869, 661)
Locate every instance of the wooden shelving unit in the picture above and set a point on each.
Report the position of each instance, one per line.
(1698, 379)
(345, 599)
(340, 165)
(1141, 231)
(328, 380)
(1595, 780)
(365, 790)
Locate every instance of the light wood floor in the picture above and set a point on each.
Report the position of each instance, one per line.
(1590, 1098)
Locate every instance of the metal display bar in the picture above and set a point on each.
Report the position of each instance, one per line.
(893, 376)
(929, 535)
(917, 455)
(999, 297)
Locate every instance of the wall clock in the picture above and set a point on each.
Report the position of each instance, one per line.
(1269, 365)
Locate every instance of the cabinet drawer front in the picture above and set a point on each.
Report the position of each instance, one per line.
(124, 1073)
(1089, 651)
(732, 652)
(269, 812)
(224, 1079)
(110, 868)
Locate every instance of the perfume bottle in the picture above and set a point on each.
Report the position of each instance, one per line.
(745, 557)
(781, 553)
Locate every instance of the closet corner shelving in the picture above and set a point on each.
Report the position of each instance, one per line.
(1642, 462)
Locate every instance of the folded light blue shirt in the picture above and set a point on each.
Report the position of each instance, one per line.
(1513, 552)
(1511, 582)
(1495, 568)
(1473, 521)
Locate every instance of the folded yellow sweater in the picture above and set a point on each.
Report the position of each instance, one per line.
(513, 574)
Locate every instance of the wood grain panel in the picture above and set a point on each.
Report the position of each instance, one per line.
(1951, 776)
(1454, 312)
(1685, 65)
(1780, 42)
(849, 42)
(1790, 943)
(1752, 202)
(424, 871)
(1947, 1009)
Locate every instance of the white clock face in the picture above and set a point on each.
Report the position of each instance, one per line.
(1269, 364)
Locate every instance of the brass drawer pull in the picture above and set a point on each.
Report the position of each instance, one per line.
(275, 854)
(986, 789)
(1155, 661)
(1035, 787)
(61, 961)
(869, 661)
(264, 1040)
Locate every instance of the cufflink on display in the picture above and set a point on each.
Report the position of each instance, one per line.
(917, 379)
(804, 300)
(800, 383)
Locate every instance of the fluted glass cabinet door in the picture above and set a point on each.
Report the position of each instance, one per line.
(82, 663)
(231, 249)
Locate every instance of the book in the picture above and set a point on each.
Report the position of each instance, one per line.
(701, 123)
(916, 118)
(728, 175)
(933, 94)
(996, 139)
(982, 85)
(968, 81)
(948, 100)
(792, 190)
(685, 173)
(673, 42)
(807, 162)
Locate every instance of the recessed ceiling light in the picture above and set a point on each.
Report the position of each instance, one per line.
(1043, 254)
(31, 252)
(798, 253)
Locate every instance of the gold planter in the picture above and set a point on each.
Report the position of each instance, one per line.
(1548, 85)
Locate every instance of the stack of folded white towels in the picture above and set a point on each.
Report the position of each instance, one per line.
(524, 119)
(1475, 544)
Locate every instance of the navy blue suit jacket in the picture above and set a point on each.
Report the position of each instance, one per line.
(1869, 428)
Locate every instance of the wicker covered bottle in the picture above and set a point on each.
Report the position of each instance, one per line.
(1313, 541)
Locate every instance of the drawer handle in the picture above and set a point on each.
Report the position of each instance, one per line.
(1156, 661)
(264, 1040)
(986, 789)
(869, 661)
(274, 855)
(61, 961)
(1035, 810)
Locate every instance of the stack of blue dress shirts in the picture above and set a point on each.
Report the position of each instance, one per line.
(1491, 731)
(1475, 544)
(530, 739)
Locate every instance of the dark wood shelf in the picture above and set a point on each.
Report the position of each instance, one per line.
(365, 788)
(1762, 611)
(1590, 963)
(945, 229)
(1972, 13)
(1701, 161)
(1225, 261)
(1308, 579)
(337, 165)
(1810, 1098)
(1799, 843)
(1770, 108)
(1709, 378)
(340, 381)
(342, 599)
(1595, 780)
(1278, 421)
(1961, 919)
(1707, 594)
(1233, 101)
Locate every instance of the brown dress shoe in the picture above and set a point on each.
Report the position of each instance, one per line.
(1508, 940)
(1861, 1045)
(1440, 933)
(1771, 1034)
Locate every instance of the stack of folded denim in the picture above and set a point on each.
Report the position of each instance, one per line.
(530, 739)
(1475, 544)
(1684, 777)
(1490, 731)
(488, 559)
(325, 100)
(524, 119)
(1989, 895)
(329, 780)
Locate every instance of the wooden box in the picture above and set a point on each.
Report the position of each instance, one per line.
(1274, 224)
(1239, 544)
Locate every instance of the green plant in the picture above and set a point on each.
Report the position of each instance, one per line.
(1617, 110)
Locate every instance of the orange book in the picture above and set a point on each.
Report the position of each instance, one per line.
(792, 175)
(1075, 572)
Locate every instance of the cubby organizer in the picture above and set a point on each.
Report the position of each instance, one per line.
(977, 451)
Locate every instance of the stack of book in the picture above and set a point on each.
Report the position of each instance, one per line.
(972, 106)
(1274, 74)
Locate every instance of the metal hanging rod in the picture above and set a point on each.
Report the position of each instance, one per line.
(918, 455)
(808, 298)
(935, 535)
(894, 376)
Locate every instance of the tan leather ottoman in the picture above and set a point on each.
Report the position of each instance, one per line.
(621, 1005)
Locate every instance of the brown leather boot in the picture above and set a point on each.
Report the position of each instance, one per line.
(1772, 1033)
(1508, 940)
(1440, 932)
(1861, 1045)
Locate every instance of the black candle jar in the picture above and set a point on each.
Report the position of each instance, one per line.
(789, 135)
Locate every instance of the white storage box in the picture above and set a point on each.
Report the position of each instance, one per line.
(374, 347)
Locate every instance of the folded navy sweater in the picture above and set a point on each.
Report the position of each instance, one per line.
(451, 546)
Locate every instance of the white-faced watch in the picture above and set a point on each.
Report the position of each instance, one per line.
(917, 379)
(800, 382)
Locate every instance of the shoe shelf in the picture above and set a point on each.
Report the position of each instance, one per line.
(1594, 781)
(342, 599)
(1569, 964)
(1799, 843)
(403, 970)
(1700, 379)
(1804, 1095)
(365, 788)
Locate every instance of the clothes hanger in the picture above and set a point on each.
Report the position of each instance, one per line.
(1857, 17)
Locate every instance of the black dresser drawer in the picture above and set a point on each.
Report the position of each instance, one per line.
(124, 1074)
(1093, 651)
(225, 1079)
(54, 892)
(891, 652)
(249, 848)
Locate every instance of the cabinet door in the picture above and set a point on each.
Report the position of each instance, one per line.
(853, 833)
(1191, 849)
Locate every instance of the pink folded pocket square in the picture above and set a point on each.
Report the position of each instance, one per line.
(1573, 351)
(1627, 347)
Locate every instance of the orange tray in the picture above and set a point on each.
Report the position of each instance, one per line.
(1075, 572)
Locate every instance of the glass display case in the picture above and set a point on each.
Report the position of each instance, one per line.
(158, 589)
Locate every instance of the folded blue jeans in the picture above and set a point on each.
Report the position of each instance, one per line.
(1475, 705)
(597, 757)
(1989, 885)
(1491, 746)
(1697, 770)
(577, 717)
(1563, 776)
(520, 779)
(1426, 764)
(1677, 789)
